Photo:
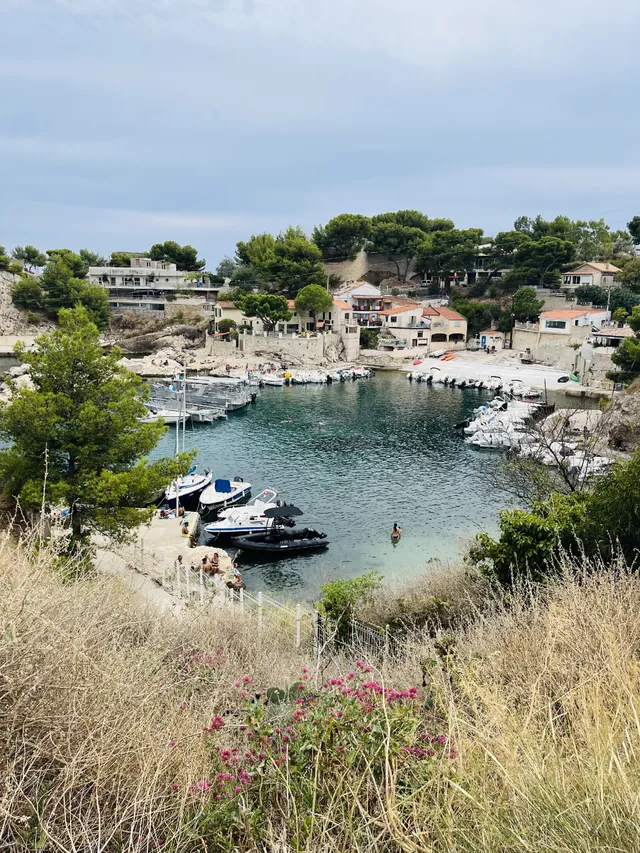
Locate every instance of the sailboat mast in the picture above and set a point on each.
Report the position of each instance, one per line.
(184, 402)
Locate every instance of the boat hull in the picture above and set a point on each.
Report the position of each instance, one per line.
(278, 546)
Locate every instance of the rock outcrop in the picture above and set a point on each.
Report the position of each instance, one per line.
(12, 320)
(622, 421)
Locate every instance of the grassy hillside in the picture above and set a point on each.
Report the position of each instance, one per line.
(125, 730)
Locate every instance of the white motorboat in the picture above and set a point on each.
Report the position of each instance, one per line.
(256, 506)
(223, 493)
(187, 489)
(273, 379)
(166, 415)
(236, 523)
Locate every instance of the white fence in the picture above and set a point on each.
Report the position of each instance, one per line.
(305, 625)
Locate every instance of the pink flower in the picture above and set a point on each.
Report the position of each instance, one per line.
(236, 684)
(173, 742)
(305, 669)
(204, 785)
(351, 675)
(247, 679)
(300, 686)
(174, 786)
(183, 706)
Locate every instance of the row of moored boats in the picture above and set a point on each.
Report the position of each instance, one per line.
(514, 388)
(264, 524)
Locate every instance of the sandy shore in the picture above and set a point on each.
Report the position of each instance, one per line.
(479, 365)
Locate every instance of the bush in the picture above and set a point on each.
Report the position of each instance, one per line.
(341, 597)
(33, 319)
(26, 293)
(369, 338)
(226, 325)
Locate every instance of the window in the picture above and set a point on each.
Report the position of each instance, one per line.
(113, 280)
(555, 324)
(136, 281)
(394, 319)
(346, 315)
(420, 334)
(456, 322)
(576, 279)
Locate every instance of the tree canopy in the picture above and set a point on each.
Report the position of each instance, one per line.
(634, 229)
(31, 257)
(268, 307)
(91, 259)
(184, 257)
(26, 293)
(630, 275)
(443, 253)
(226, 268)
(343, 236)
(62, 289)
(591, 293)
(525, 305)
(76, 439)
(398, 243)
(77, 266)
(315, 299)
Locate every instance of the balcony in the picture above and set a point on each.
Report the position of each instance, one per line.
(368, 306)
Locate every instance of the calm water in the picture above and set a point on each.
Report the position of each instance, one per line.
(357, 457)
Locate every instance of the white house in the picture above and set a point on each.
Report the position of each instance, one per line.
(145, 285)
(564, 322)
(591, 273)
(365, 301)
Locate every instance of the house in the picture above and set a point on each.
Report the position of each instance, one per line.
(365, 301)
(147, 285)
(492, 339)
(612, 336)
(447, 326)
(564, 322)
(591, 273)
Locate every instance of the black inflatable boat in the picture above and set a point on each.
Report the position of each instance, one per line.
(279, 541)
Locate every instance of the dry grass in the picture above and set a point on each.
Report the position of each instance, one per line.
(542, 701)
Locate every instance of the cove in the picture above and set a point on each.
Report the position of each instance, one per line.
(357, 457)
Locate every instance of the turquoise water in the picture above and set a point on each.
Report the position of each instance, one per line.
(356, 457)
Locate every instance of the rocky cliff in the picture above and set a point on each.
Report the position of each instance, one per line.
(623, 420)
(13, 321)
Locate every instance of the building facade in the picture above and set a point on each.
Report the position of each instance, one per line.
(591, 273)
(154, 286)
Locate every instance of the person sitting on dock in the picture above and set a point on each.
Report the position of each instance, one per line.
(215, 562)
(206, 565)
(185, 528)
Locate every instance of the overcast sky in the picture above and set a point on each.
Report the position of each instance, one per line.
(128, 122)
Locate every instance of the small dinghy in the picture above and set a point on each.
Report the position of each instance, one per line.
(223, 493)
(250, 518)
(277, 540)
(188, 489)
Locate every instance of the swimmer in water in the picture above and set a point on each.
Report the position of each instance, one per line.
(396, 533)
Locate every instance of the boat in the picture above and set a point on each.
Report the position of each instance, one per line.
(279, 541)
(236, 522)
(273, 379)
(188, 489)
(223, 493)
(169, 416)
(258, 505)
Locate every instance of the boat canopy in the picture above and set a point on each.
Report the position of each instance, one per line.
(222, 486)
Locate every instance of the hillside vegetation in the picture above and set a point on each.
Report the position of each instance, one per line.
(123, 729)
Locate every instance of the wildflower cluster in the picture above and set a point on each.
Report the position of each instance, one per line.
(350, 725)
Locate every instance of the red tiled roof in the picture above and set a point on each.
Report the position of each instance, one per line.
(450, 314)
(399, 310)
(429, 312)
(226, 304)
(491, 332)
(340, 303)
(565, 314)
(291, 305)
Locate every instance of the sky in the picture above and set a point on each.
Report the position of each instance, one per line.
(129, 122)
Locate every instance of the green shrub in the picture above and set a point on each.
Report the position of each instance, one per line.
(226, 325)
(26, 293)
(369, 338)
(341, 597)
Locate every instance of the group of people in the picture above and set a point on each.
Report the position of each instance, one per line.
(210, 566)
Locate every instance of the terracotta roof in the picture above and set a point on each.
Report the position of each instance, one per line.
(450, 314)
(400, 310)
(429, 311)
(491, 332)
(400, 300)
(225, 304)
(614, 332)
(566, 314)
(340, 303)
(291, 305)
(598, 265)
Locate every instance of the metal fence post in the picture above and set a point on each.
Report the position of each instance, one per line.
(164, 576)
(178, 580)
(386, 643)
(201, 585)
(259, 614)
(187, 572)
(317, 645)
(298, 624)
(241, 596)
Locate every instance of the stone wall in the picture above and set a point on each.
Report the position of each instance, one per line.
(13, 321)
(348, 270)
(328, 347)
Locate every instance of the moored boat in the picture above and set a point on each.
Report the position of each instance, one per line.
(188, 489)
(278, 541)
(223, 493)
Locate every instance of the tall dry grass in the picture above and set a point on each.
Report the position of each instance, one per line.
(541, 699)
